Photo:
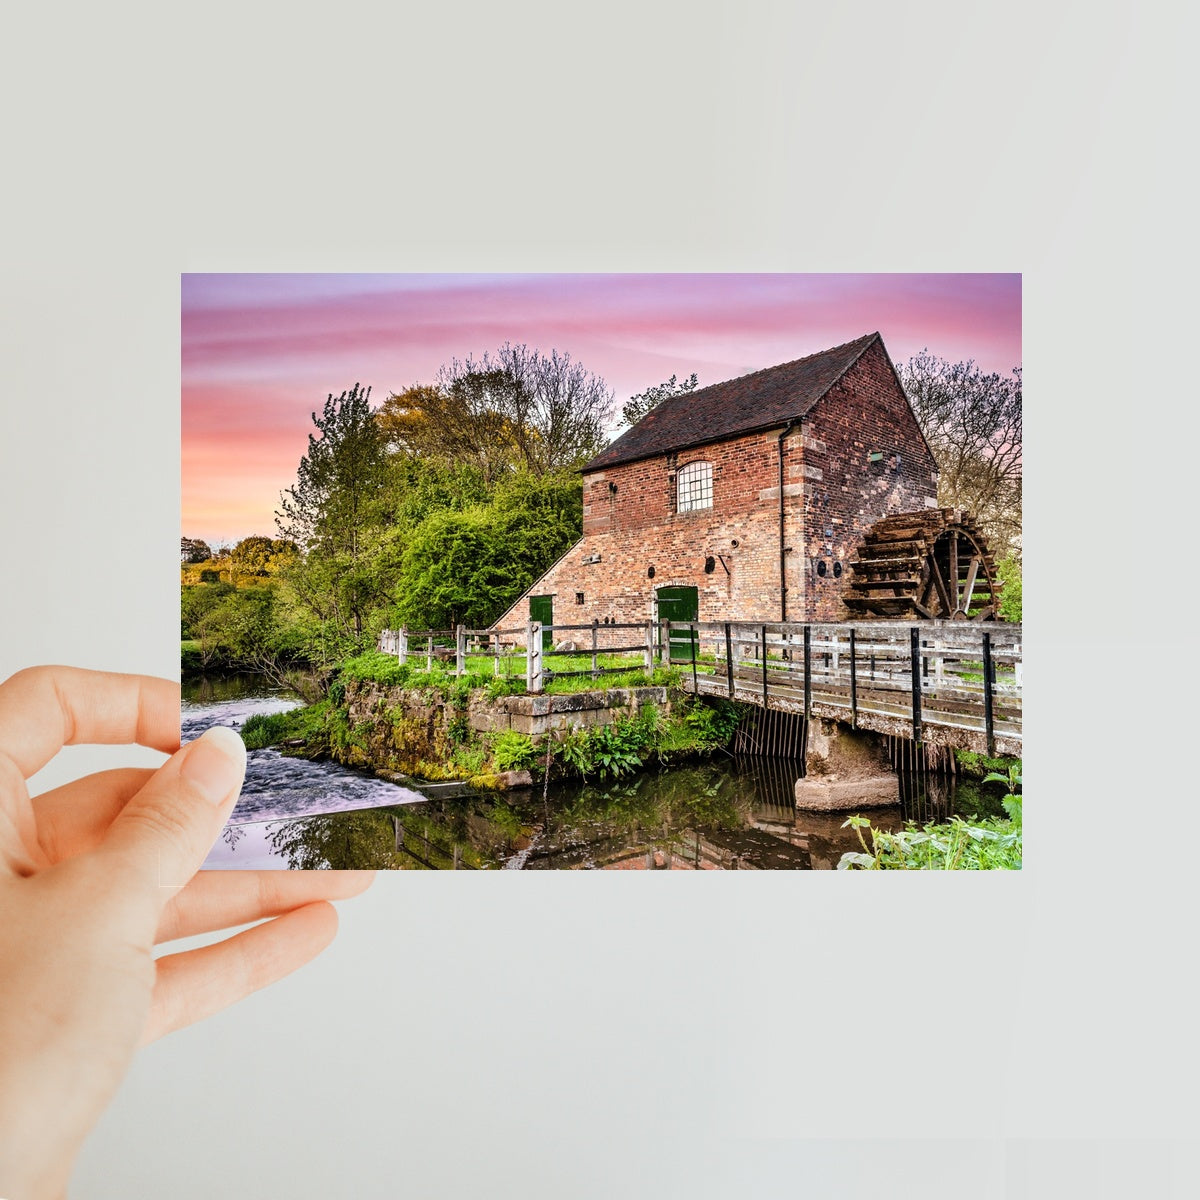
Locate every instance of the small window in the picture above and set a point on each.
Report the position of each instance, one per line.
(578, 597)
(693, 487)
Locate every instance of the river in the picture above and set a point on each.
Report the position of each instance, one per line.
(724, 813)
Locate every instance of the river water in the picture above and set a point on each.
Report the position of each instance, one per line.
(721, 814)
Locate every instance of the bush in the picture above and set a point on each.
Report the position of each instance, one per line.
(512, 751)
(1008, 573)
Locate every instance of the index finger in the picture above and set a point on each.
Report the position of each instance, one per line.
(43, 709)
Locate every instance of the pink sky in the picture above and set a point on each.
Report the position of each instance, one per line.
(261, 352)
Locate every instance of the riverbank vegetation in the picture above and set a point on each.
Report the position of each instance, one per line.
(452, 750)
(976, 843)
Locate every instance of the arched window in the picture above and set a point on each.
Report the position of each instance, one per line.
(693, 487)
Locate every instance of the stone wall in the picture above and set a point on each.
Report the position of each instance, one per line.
(395, 728)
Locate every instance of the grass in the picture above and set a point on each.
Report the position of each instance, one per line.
(271, 729)
(384, 669)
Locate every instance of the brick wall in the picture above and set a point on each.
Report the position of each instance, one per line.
(832, 493)
(844, 493)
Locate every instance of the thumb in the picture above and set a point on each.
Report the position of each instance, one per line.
(163, 834)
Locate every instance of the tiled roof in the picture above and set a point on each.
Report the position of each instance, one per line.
(760, 400)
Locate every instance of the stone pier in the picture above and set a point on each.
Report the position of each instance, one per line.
(846, 769)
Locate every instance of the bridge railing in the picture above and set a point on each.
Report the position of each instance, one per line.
(948, 675)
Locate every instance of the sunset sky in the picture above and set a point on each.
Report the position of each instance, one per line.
(260, 353)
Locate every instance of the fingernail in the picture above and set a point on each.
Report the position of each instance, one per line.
(214, 763)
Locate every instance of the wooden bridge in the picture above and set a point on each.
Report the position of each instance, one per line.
(942, 683)
(935, 683)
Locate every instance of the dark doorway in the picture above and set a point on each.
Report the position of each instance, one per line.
(679, 604)
(541, 608)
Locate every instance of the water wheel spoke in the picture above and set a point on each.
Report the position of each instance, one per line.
(940, 584)
(954, 570)
(969, 586)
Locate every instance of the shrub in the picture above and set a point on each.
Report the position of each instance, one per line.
(1008, 573)
(512, 751)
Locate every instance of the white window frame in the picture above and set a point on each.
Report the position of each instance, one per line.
(694, 486)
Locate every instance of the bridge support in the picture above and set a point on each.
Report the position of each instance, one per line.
(845, 769)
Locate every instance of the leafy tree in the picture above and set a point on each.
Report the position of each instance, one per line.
(193, 550)
(468, 567)
(332, 507)
(636, 407)
(259, 555)
(972, 421)
(516, 408)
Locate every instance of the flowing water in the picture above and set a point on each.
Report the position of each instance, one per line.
(722, 814)
(276, 786)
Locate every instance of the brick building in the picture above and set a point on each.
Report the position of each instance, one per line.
(743, 500)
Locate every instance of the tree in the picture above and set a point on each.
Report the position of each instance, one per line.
(636, 407)
(193, 550)
(515, 408)
(972, 422)
(331, 509)
(469, 566)
(260, 556)
(462, 422)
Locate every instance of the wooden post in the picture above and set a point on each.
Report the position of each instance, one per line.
(402, 646)
(533, 657)
(460, 652)
(729, 657)
(595, 644)
(496, 652)
(764, 662)
(807, 677)
(649, 647)
(429, 652)
(692, 640)
(664, 641)
(914, 643)
(988, 716)
(853, 684)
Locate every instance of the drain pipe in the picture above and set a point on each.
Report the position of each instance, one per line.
(782, 550)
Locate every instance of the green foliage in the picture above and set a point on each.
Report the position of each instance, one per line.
(468, 566)
(955, 846)
(636, 407)
(976, 766)
(374, 667)
(1012, 801)
(712, 721)
(271, 729)
(513, 751)
(1008, 572)
(193, 550)
(505, 685)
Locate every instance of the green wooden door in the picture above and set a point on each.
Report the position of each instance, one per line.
(679, 604)
(541, 608)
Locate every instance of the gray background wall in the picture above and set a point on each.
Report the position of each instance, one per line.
(579, 1035)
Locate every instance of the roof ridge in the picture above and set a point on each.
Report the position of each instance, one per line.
(757, 399)
(864, 338)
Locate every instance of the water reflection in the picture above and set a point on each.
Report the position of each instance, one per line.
(723, 815)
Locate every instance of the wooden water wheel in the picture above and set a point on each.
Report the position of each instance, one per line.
(933, 565)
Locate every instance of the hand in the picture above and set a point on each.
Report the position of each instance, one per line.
(92, 876)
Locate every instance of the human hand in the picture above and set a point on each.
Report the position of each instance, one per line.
(93, 875)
